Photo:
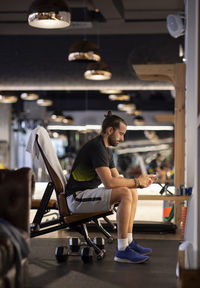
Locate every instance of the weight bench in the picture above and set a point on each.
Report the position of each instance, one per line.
(40, 144)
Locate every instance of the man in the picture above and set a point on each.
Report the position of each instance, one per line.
(94, 165)
(156, 167)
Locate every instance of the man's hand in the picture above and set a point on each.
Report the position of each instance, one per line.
(146, 179)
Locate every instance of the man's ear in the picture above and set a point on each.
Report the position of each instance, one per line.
(109, 130)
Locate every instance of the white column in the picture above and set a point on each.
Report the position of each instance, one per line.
(191, 148)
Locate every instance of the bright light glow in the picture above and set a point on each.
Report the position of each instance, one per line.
(142, 149)
(98, 127)
(50, 20)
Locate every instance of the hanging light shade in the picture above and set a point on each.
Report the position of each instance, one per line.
(57, 116)
(111, 91)
(84, 51)
(49, 14)
(44, 102)
(68, 120)
(138, 120)
(98, 71)
(29, 96)
(119, 97)
(8, 99)
(126, 107)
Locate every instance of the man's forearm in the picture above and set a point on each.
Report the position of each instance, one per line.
(123, 182)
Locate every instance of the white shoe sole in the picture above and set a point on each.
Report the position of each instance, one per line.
(121, 260)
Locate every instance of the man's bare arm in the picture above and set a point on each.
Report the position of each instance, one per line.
(111, 179)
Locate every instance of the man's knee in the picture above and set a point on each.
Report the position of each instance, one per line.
(121, 193)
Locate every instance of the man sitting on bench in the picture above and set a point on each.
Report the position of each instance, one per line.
(94, 165)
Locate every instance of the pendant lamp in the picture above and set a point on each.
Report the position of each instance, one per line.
(57, 116)
(138, 120)
(98, 71)
(29, 96)
(8, 99)
(84, 51)
(111, 91)
(44, 102)
(49, 14)
(119, 97)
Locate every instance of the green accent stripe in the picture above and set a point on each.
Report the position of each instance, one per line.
(79, 175)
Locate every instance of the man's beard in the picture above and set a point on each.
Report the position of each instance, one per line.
(112, 141)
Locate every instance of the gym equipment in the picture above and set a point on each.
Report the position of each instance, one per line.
(86, 253)
(40, 143)
(61, 254)
(99, 242)
(74, 244)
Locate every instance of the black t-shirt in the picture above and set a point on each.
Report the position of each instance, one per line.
(92, 155)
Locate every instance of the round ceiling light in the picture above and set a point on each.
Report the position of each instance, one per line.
(44, 102)
(84, 51)
(98, 71)
(8, 99)
(29, 96)
(49, 14)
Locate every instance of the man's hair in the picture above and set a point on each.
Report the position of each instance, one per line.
(111, 121)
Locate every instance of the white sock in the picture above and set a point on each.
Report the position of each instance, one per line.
(130, 238)
(122, 244)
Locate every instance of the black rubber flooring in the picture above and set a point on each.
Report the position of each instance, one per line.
(158, 272)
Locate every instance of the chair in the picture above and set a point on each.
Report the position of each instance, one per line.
(40, 142)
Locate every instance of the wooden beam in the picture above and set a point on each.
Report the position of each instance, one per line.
(174, 73)
(180, 198)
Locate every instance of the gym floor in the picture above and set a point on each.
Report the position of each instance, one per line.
(159, 271)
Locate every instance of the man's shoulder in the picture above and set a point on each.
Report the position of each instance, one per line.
(95, 141)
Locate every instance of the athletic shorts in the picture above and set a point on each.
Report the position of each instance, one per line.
(90, 200)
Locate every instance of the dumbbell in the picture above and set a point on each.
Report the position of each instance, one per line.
(99, 242)
(61, 253)
(74, 244)
(87, 254)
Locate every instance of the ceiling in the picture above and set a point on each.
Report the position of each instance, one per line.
(127, 32)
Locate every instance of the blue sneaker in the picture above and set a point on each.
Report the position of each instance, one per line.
(139, 249)
(129, 256)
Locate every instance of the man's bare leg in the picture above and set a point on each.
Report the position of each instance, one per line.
(123, 196)
(133, 209)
